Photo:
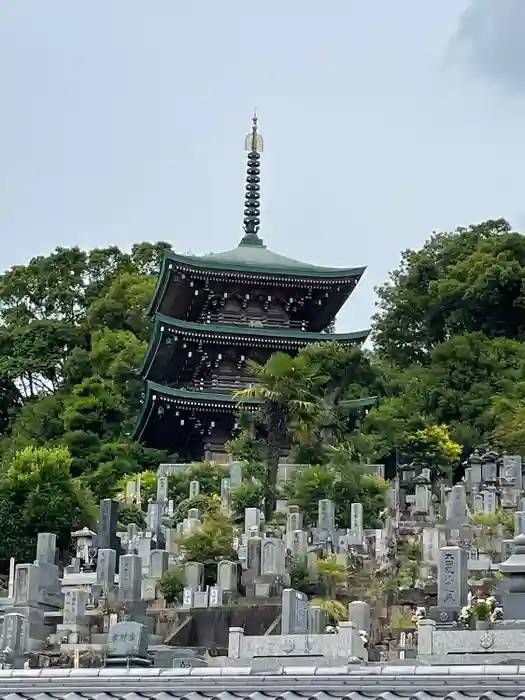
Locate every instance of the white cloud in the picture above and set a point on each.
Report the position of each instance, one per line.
(491, 39)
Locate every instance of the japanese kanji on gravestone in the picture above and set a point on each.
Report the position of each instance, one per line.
(128, 639)
(106, 568)
(452, 578)
(162, 489)
(14, 633)
(356, 518)
(75, 601)
(294, 616)
(130, 578)
(326, 515)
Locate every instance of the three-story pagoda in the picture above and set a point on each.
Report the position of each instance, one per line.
(214, 312)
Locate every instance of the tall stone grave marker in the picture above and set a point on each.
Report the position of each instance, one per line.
(130, 579)
(252, 520)
(225, 492)
(294, 615)
(511, 471)
(519, 523)
(457, 506)
(162, 489)
(14, 631)
(356, 518)
(273, 555)
(235, 473)
(294, 519)
(50, 593)
(490, 500)
(326, 515)
(106, 568)
(107, 525)
(452, 578)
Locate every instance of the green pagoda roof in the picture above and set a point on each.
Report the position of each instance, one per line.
(185, 398)
(257, 259)
(282, 338)
(215, 400)
(261, 332)
(355, 404)
(199, 396)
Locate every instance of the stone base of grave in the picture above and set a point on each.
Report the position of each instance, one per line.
(128, 662)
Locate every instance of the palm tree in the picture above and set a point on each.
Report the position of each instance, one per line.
(288, 390)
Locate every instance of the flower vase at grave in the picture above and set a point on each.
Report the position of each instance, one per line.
(483, 624)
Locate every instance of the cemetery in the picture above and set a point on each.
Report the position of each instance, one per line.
(106, 607)
(245, 540)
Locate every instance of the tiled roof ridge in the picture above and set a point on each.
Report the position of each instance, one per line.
(288, 683)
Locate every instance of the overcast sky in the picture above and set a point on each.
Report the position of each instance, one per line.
(124, 121)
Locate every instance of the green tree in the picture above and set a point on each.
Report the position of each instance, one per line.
(432, 447)
(469, 280)
(172, 584)
(331, 575)
(123, 306)
(37, 494)
(210, 505)
(509, 423)
(345, 483)
(208, 474)
(248, 494)
(457, 389)
(286, 388)
(212, 541)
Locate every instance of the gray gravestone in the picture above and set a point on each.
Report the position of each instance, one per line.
(162, 489)
(27, 584)
(153, 518)
(46, 548)
(106, 568)
(512, 470)
(519, 523)
(235, 473)
(14, 632)
(294, 615)
(359, 612)
(326, 515)
(490, 500)
(253, 555)
(194, 571)
(130, 578)
(195, 488)
(225, 492)
(227, 575)
(294, 519)
(356, 518)
(457, 506)
(158, 563)
(273, 554)
(128, 639)
(316, 620)
(452, 578)
(75, 601)
(107, 525)
(252, 520)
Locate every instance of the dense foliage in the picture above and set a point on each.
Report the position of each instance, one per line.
(448, 368)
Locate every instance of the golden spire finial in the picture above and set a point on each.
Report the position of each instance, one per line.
(253, 143)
